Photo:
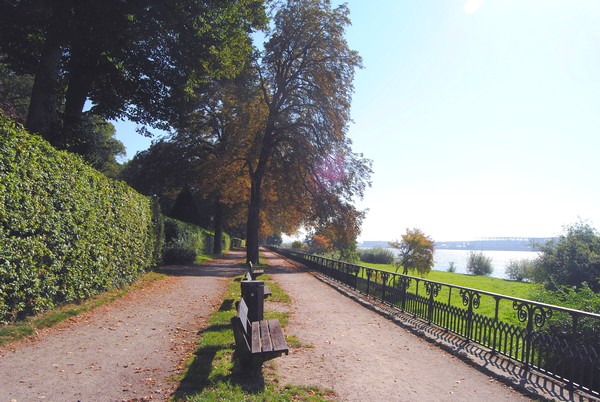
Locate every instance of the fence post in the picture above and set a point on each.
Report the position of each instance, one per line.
(533, 314)
(384, 279)
(573, 345)
(432, 289)
(404, 284)
(495, 324)
(356, 272)
(471, 300)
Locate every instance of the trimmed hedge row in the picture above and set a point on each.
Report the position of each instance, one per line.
(186, 242)
(66, 231)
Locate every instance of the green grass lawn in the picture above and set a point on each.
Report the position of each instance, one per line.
(487, 307)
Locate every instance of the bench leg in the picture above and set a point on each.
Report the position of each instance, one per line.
(249, 364)
(257, 363)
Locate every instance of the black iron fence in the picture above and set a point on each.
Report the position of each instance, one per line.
(522, 330)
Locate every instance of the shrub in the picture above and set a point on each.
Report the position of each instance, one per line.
(66, 231)
(520, 270)
(376, 256)
(176, 254)
(582, 298)
(298, 245)
(185, 242)
(451, 267)
(572, 258)
(479, 264)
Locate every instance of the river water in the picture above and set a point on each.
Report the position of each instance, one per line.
(500, 259)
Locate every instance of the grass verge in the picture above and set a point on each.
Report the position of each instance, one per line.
(22, 329)
(506, 312)
(213, 373)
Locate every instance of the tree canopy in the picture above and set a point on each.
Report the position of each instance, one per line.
(134, 59)
(572, 259)
(416, 252)
(305, 76)
(262, 129)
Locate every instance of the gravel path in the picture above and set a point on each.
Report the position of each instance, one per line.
(131, 349)
(127, 350)
(364, 356)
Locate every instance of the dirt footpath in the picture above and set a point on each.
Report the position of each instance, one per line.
(364, 356)
(124, 351)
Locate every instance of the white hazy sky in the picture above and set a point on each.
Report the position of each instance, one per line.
(481, 116)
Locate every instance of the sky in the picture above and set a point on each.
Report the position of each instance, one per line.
(481, 117)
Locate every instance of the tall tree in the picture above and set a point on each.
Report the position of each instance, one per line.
(416, 252)
(103, 148)
(14, 93)
(135, 59)
(306, 73)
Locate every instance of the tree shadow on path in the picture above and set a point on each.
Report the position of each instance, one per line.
(229, 265)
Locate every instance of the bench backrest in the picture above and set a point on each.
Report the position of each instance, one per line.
(243, 315)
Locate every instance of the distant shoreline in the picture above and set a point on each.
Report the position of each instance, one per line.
(489, 244)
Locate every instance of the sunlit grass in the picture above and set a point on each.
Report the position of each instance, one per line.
(487, 306)
(213, 374)
(495, 285)
(277, 294)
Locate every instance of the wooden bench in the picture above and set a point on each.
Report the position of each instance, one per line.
(267, 289)
(258, 341)
(254, 272)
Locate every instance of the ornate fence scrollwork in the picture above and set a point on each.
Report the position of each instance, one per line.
(384, 280)
(369, 273)
(470, 299)
(534, 315)
(403, 283)
(432, 290)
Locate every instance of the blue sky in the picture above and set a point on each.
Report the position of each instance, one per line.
(481, 116)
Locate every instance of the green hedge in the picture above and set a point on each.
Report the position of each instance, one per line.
(66, 231)
(185, 242)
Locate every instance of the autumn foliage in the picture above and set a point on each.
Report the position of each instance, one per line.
(416, 252)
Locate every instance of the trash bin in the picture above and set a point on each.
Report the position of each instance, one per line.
(253, 293)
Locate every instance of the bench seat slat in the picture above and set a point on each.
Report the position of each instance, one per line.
(265, 337)
(256, 344)
(277, 337)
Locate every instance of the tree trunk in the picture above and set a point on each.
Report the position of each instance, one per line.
(253, 224)
(218, 238)
(82, 72)
(43, 105)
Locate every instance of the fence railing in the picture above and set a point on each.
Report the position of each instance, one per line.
(522, 330)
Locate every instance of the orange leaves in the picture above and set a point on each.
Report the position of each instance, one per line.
(416, 251)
